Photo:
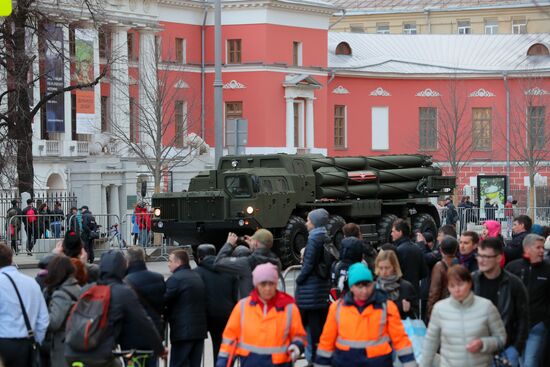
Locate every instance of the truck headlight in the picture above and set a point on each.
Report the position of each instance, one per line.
(156, 212)
(250, 210)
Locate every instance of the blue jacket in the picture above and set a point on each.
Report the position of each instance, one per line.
(311, 290)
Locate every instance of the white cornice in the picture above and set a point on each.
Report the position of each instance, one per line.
(233, 84)
(536, 91)
(482, 93)
(428, 92)
(380, 92)
(340, 90)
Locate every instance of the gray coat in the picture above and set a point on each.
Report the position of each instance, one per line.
(454, 324)
(63, 298)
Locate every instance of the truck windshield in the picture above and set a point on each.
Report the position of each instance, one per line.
(238, 186)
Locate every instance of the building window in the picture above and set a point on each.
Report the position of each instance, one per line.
(538, 49)
(134, 130)
(464, 27)
(519, 26)
(130, 40)
(180, 50)
(491, 26)
(339, 126)
(234, 51)
(409, 28)
(428, 128)
(356, 28)
(481, 128)
(537, 117)
(383, 28)
(180, 124)
(233, 110)
(380, 128)
(104, 113)
(343, 48)
(104, 44)
(296, 53)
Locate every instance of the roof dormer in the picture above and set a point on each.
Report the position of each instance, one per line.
(343, 48)
(538, 49)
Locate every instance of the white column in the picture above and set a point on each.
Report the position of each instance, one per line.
(114, 204)
(289, 122)
(97, 87)
(67, 136)
(148, 87)
(120, 94)
(309, 124)
(103, 199)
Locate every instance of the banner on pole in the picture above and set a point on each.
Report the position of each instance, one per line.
(54, 80)
(84, 73)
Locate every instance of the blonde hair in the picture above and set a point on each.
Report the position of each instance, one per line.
(388, 255)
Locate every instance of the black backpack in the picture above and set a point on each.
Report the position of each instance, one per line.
(328, 257)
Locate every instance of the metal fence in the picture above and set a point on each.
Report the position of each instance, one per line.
(521, 194)
(66, 199)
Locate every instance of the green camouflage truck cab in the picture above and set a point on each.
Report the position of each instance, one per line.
(277, 191)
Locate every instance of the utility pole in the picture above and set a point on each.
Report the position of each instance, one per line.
(218, 83)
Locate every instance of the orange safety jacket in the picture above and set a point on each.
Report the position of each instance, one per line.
(260, 336)
(354, 338)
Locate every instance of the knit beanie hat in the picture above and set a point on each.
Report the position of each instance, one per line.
(359, 272)
(265, 273)
(318, 217)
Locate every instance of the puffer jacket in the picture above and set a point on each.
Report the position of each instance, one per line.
(311, 290)
(454, 324)
(514, 249)
(351, 252)
(59, 306)
(126, 315)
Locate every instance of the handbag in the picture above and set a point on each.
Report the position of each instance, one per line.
(416, 331)
(34, 350)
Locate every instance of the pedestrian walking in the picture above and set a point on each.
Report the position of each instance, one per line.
(390, 280)
(185, 301)
(363, 327)
(88, 233)
(521, 227)
(507, 293)
(264, 329)
(411, 257)
(351, 252)
(31, 225)
(451, 214)
(534, 272)
(44, 220)
(222, 293)
(312, 290)
(61, 293)
(13, 225)
(56, 226)
(23, 314)
(135, 227)
(465, 328)
(438, 285)
(467, 250)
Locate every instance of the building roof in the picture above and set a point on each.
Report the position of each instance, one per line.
(438, 54)
(398, 6)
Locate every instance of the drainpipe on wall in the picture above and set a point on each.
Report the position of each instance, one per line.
(505, 78)
(332, 75)
(338, 20)
(202, 69)
(428, 21)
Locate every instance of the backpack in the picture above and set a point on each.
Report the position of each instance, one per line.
(328, 257)
(87, 323)
(31, 215)
(16, 222)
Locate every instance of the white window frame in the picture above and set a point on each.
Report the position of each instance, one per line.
(185, 126)
(384, 31)
(183, 59)
(518, 25)
(345, 146)
(380, 128)
(300, 48)
(491, 25)
(463, 28)
(411, 30)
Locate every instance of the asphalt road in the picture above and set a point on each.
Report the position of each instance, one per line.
(162, 267)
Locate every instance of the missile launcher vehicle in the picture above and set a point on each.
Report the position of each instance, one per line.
(277, 191)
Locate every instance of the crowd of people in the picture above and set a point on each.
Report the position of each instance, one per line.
(484, 301)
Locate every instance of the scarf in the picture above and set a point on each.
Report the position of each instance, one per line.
(390, 285)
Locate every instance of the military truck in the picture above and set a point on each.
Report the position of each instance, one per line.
(277, 191)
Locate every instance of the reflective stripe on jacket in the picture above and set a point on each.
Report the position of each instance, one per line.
(259, 336)
(363, 338)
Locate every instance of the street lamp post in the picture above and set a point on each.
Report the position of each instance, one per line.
(218, 83)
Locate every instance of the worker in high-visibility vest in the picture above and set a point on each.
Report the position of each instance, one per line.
(265, 328)
(362, 327)
(5, 8)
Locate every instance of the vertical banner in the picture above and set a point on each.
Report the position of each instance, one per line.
(84, 73)
(54, 80)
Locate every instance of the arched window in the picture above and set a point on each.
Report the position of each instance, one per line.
(343, 48)
(538, 49)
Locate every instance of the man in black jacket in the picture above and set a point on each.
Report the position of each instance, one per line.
(260, 244)
(150, 288)
(507, 293)
(221, 294)
(521, 226)
(411, 257)
(535, 275)
(88, 226)
(185, 300)
(126, 316)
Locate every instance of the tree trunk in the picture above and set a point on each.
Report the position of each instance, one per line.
(157, 180)
(532, 189)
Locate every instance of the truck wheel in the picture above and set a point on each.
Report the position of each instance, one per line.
(384, 227)
(293, 239)
(424, 222)
(334, 229)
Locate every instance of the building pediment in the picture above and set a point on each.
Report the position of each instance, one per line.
(301, 81)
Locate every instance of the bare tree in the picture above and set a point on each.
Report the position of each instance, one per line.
(159, 135)
(17, 58)
(529, 136)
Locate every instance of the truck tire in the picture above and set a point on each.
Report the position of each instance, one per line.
(334, 229)
(384, 227)
(424, 222)
(293, 239)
